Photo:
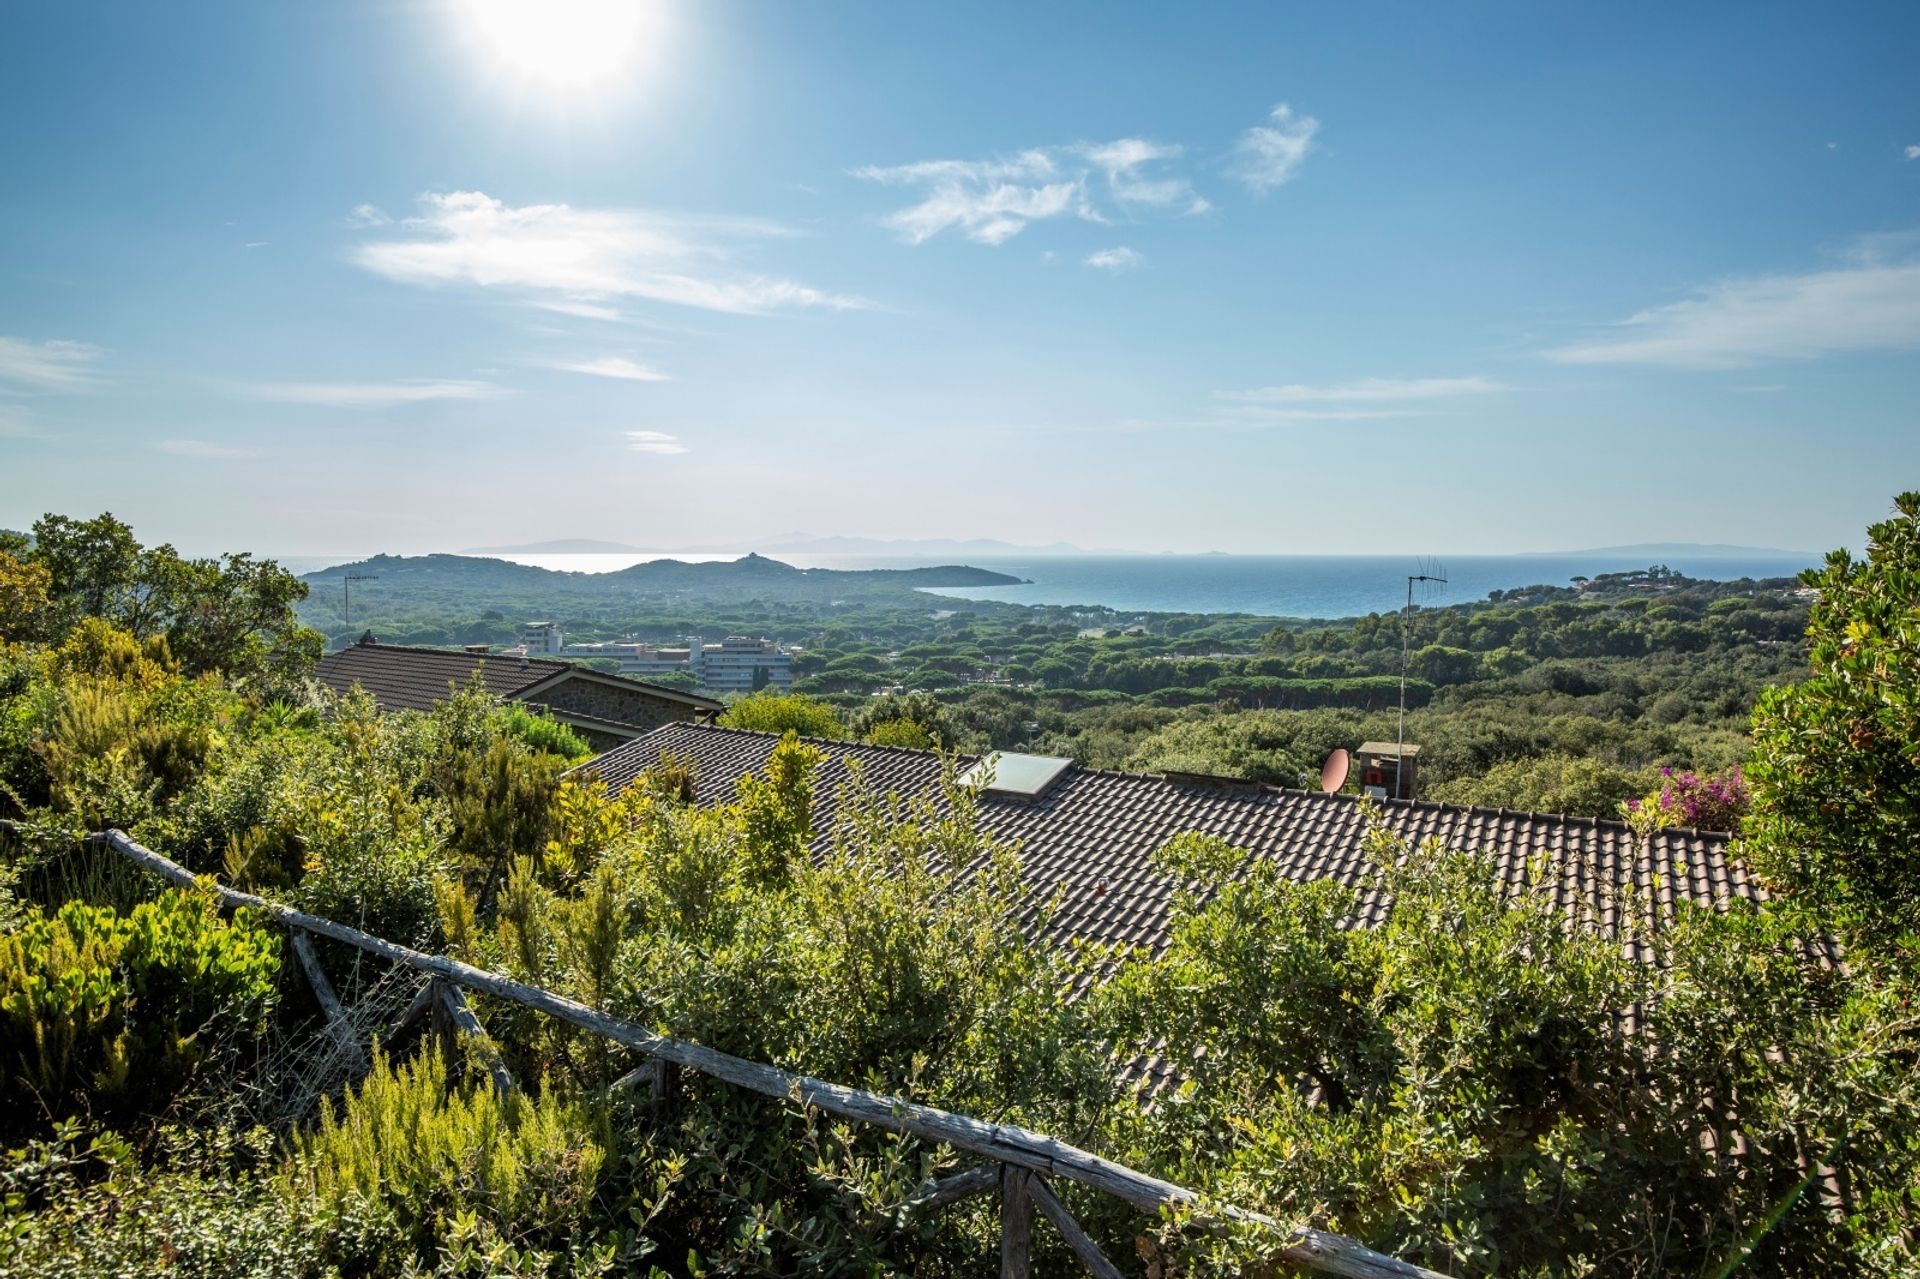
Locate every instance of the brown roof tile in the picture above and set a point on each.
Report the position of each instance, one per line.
(1093, 835)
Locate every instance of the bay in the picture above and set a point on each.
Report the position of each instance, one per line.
(1268, 585)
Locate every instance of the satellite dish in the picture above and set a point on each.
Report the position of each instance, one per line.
(1333, 773)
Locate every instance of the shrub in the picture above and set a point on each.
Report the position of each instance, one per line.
(85, 1209)
(1465, 1086)
(543, 733)
(427, 1157)
(1546, 784)
(783, 713)
(116, 1014)
(1688, 799)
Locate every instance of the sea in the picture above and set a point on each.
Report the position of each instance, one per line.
(1268, 585)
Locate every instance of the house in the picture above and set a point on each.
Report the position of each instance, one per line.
(1091, 834)
(605, 710)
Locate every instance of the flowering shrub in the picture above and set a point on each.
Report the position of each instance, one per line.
(1688, 799)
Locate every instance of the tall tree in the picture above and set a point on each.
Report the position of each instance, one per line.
(233, 614)
(1836, 764)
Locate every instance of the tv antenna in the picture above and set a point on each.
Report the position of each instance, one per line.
(346, 591)
(1431, 577)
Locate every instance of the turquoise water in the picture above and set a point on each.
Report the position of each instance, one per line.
(1270, 585)
(1309, 585)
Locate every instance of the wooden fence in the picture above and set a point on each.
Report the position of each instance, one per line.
(1017, 1163)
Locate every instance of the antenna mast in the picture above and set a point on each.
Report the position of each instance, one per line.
(1428, 573)
(346, 590)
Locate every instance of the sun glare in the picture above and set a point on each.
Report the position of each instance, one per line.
(569, 46)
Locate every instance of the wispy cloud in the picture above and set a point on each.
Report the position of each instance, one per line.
(49, 366)
(583, 310)
(375, 395)
(654, 442)
(991, 201)
(1871, 304)
(1115, 260)
(365, 215)
(1125, 163)
(1365, 390)
(1913, 152)
(203, 449)
(1360, 399)
(613, 366)
(256, 244)
(555, 253)
(1270, 154)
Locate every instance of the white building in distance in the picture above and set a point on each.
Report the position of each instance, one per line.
(738, 664)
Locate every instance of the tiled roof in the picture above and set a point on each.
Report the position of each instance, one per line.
(1092, 836)
(416, 679)
(403, 678)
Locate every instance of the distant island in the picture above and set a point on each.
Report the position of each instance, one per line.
(472, 582)
(1641, 550)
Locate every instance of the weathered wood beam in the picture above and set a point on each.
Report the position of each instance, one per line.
(1003, 1143)
(468, 1027)
(1016, 1223)
(1084, 1248)
(947, 1190)
(330, 1005)
(422, 1000)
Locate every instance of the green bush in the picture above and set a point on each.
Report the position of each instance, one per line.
(543, 733)
(117, 1014)
(1548, 784)
(412, 1159)
(784, 713)
(88, 1210)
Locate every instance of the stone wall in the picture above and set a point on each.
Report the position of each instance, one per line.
(635, 706)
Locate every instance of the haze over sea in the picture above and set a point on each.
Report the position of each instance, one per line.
(1270, 585)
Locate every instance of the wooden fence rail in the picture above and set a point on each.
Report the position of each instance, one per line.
(1018, 1160)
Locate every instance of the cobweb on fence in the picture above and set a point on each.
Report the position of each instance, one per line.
(300, 1062)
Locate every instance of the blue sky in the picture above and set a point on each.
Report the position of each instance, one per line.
(347, 277)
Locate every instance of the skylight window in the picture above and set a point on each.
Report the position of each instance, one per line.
(1019, 776)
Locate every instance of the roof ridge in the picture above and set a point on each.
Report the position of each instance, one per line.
(843, 742)
(380, 646)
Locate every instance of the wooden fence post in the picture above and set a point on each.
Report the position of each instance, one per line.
(1016, 1224)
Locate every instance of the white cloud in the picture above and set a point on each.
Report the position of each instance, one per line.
(654, 442)
(257, 244)
(365, 215)
(204, 449)
(1365, 390)
(376, 395)
(613, 366)
(559, 254)
(49, 366)
(1872, 304)
(583, 310)
(1913, 152)
(1124, 163)
(1115, 260)
(1269, 154)
(991, 201)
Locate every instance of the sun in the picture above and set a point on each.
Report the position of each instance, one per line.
(565, 46)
